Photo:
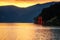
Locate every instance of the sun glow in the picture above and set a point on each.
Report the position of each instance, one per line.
(22, 4)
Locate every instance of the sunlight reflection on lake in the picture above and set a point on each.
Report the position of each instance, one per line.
(22, 31)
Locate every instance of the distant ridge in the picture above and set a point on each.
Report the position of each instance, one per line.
(11, 13)
(50, 16)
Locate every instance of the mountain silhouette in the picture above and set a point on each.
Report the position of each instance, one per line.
(50, 16)
(11, 13)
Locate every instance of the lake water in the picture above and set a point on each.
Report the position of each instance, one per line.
(25, 31)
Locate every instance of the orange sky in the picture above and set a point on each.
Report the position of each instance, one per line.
(23, 3)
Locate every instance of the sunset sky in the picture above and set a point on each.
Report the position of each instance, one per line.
(23, 3)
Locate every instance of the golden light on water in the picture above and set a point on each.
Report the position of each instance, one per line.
(23, 31)
(19, 31)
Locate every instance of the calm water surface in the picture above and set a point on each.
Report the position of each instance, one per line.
(25, 31)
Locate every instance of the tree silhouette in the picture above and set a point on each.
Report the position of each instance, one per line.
(50, 16)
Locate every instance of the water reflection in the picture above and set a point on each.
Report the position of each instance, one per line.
(26, 31)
